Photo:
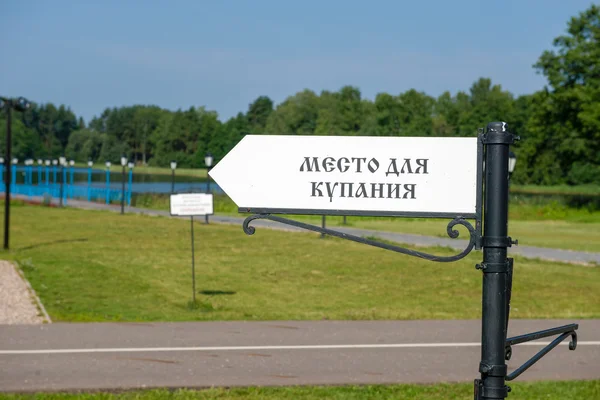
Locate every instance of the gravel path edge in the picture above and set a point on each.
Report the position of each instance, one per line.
(36, 298)
(19, 303)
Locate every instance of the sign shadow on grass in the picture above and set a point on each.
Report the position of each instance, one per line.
(217, 292)
(35, 246)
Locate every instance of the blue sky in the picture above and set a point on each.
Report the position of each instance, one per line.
(223, 54)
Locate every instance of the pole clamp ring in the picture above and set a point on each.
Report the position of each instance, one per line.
(493, 370)
(498, 241)
(493, 392)
(494, 137)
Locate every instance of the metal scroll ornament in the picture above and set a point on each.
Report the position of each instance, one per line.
(249, 230)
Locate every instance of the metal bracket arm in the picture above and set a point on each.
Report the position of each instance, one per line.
(249, 230)
(564, 332)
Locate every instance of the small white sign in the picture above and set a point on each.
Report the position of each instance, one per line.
(191, 204)
(351, 173)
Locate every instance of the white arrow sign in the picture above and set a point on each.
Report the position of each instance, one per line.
(350, 174)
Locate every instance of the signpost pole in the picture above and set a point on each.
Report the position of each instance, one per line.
(190, 205)
(207, 191)
(495, 265)
(193, 266)
(7, 178)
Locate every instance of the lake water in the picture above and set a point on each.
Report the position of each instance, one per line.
(141, 182)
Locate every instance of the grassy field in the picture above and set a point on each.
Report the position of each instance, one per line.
(588, 390)
(544, 225)
(557, 189)
(101, 266)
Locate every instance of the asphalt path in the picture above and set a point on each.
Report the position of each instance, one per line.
(109, 356)
(543, 253)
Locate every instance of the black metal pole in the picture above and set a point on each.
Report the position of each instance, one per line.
(8, 163)
(322, 225)
(193, 266)
(123, 191)
(207, 191)
(495, 265)
(62, 182)
(172, 181)
(344, 220)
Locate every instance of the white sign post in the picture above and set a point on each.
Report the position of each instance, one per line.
(191, 205)
(349, 175)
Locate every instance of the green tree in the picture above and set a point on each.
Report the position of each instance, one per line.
(84, 145)
(485, 103)
(446, 115)
(258, 114)
(25, 142)
(296, 115)
(414, 112)
(562, 138)
(228, 135)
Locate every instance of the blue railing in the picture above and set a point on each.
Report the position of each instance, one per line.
(49, 184)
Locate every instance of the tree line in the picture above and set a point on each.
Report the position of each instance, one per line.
(559, 125)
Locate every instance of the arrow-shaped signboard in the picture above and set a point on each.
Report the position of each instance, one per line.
(350, 175)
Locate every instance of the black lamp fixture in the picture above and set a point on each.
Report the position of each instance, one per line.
(208, 159)
(512, 161)
(173, 168)
(123, 165)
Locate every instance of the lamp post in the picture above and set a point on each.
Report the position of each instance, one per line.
(63, 175)
(54, 163)
(131, 165)
(28, 176)
(2, 168)
(47, 162)
(173, 168)
(21, 104)
(26, 172)
(90, 164)
(15, 161)
(123, 165)
(72, 170)
(107, 182)
(40, 162)
(29, 171)
(208, 160)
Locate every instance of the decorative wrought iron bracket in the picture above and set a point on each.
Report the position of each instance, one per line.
(563, 332)
(473, 236)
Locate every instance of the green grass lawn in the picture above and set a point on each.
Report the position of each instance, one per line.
(590, 189)
(588, 390)
(102, 266)
(547, 225)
